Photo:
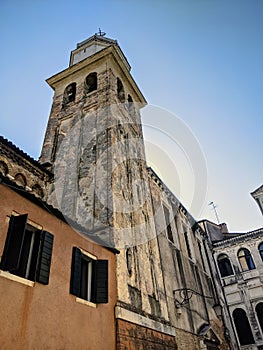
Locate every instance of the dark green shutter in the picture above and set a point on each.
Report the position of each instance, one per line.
(101, 281)
(14, 241)
(44, 258)
(75, 272)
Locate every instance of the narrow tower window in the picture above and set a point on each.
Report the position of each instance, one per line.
(131, 104)
(69, 94)
(187, 243)
(201, 255)
(120, 90)
(129, 260)
(168, 224)
(91, 82)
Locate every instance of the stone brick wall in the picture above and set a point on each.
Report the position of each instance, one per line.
(23, 170)
(133, 337)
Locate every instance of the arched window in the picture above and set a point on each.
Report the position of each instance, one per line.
(260, 249)
(243, 328)
(120, 90)
(69, 94)
(38, 190)
(259, 311)
(245, 259)
(224, 265)
(131, 104)
(91, 82)
(3, 168)
(20, 180)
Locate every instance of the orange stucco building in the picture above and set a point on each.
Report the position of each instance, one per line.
(38, 305)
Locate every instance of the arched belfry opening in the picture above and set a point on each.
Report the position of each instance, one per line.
(91, 82)
(69, 94)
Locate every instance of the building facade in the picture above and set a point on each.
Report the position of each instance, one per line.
(238, 260)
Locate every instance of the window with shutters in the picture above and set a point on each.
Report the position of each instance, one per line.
(27, 251)
(89, 277)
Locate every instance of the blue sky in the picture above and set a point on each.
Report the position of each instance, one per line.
(201, 60)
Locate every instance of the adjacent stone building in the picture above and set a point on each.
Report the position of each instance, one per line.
(238, 258)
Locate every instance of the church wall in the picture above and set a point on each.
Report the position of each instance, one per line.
(185, 265)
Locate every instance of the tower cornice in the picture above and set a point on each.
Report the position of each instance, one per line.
(113, 53)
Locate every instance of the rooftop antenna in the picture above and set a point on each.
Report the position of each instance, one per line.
(214, 208)
(100, 33)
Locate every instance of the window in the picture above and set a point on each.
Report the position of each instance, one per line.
(259, 311)
(187, 243)
(69, 94)
(131, 104)
(224, 265)
(91, 82)
(89, 277)
(129, 260)
(20, 180)
(168, 224)
(120, 90)
(245, 260)
(3, 168)
(37, 190)
(260, 249)
(27, 252)
(201, 255)
(243, 328)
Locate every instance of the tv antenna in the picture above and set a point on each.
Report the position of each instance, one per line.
(214, 208)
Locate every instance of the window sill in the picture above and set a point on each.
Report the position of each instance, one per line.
(85, 302)
(15, 278)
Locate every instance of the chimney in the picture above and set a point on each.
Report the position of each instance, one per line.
(223, 228)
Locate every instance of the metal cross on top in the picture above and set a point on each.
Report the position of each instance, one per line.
(100, 33)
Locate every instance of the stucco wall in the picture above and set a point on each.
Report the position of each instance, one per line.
(48, 316)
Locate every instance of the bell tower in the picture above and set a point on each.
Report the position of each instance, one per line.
(94, 143)
(94, 147)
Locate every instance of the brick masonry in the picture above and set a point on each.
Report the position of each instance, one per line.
(134, 337)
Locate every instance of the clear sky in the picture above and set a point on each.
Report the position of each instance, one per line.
(199, 60)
